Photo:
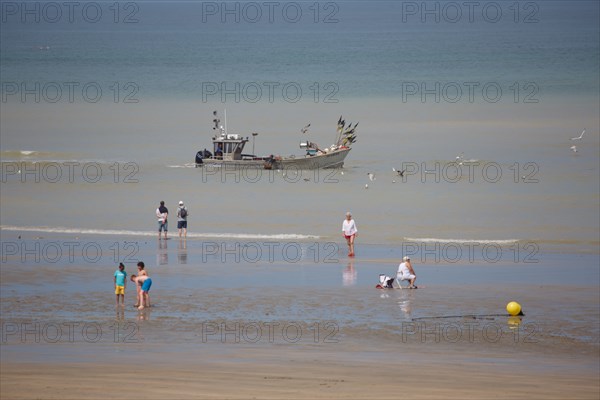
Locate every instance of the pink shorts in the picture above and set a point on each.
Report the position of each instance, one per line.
(348, 236)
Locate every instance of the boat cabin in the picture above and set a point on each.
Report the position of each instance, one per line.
(228, 147)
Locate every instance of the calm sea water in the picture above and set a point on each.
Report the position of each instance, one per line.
(507, 85)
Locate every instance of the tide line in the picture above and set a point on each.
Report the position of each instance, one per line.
(115, 232)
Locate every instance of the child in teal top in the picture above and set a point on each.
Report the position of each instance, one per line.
(120, 279)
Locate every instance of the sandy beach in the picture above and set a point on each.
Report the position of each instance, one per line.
(292, 377)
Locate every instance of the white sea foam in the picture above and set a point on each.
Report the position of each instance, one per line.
(114, 232)
(481, 241)
(189, 165)
(35, 156)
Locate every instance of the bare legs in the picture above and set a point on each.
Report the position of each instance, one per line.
(138, 295)
(144, 300)
(141, 300)
(350, 242)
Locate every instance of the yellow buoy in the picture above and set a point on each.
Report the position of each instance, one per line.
(513, 308)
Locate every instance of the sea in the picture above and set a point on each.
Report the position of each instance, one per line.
(126, 92)
(105, 104)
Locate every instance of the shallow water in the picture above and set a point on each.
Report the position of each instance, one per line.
(205, 303)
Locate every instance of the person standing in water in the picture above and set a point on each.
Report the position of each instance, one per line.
(162, 213)
(182, 214)
(350, 232)
(120, 280)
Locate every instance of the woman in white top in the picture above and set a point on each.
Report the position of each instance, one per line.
(349, 231)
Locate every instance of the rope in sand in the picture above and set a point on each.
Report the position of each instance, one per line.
(472, 316)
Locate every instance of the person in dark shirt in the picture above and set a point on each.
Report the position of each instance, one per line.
(162, 213)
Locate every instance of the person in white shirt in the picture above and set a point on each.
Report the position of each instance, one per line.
(350, 232)
(162, 213)
(406, 272)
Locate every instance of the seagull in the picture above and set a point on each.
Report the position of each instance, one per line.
(371, 176)
(366, 185)
(342, 172)
(393, 181)
(305, 129)
(574, 148)
(400, 173)
(341, 124)
(578, 137)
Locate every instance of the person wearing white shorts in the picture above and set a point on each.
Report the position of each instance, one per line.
(406, 272)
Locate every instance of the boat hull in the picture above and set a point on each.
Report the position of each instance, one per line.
(334, 159)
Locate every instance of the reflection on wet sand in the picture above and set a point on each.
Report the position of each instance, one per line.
(162, 254)
(405, 298)
(182, 255)
(144, 314)
(349, 275)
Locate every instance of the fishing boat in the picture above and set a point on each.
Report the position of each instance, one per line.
(228, 150)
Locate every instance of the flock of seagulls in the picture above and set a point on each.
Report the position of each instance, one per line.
(460, 159)
(372, 176)
(346, 132)
(305, 129)
(574, 148)
(579, 137)
(347, 136)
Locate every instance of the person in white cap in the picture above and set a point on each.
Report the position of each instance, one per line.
(406, 272)
(182, 214)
